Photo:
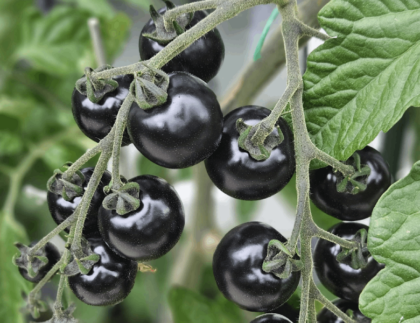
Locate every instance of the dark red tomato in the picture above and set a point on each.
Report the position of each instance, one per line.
(51, 252)
(325, 316)
(61, 209)
(202, 58)
(237, 269)
(150, 231)
(96, 119)
(109, 281)
(288, 311)
(347, 206)
(237, 174)
(339, 278)
(183, 131)
(271, 318)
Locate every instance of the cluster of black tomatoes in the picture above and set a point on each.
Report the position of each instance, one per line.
(237, 262)
(187, 129)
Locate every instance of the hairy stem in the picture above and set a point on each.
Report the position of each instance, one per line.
(88, 155)
(320, 233)
(170, 15)
(87, 197)
(121, 124)
(58, 304)
(65, 224)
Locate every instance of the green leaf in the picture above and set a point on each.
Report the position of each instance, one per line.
(362, 81)
(10, 143)
(394, 294)
(11, 282)
(190, 307)
(245, 210)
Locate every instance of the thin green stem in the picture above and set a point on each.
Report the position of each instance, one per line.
(331, 307)
(58, 304)
(171, 15)
(121, 124)
(87, 197)
(46, 279)
(346, 170)
(88, 155)
(320, 233)
(65, 224)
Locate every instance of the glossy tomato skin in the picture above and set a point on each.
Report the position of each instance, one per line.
(150, 231)
(347, 206)
(325, 316)
(109, 281)
(339, 278)
(237, 269)
(53, 255)
(183, 131)
(288, 311)
(202, 59)
(61, 209)
(271, 318)
(237, 174)
(96, 119)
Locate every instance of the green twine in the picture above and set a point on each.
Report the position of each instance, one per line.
(273, 16)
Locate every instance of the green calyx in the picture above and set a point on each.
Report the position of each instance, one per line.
(81, 262)
(33, 263)
(257, 140)
(280, 261)
(124, 200)
(358, 181)
(95, 89)
(149, 88)
(65, 316)
(163, 35)
(34, 305)
(356, 258)
(67, 186)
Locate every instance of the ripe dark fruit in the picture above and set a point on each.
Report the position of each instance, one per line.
(109, 281)
(202, 59)
(325, 316)
(150, 231)
(339, 278)
(53, 256)
(237, 174)
(237, 268)
(61, 209)
(288, 311)
(346, 206)
(96, 119)
(183, 131)
(271, 318)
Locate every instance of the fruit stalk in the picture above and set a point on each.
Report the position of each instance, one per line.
(305, 151)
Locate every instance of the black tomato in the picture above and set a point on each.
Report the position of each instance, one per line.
(339, 278)
(325, 316)
(271, 318)
(96, 119)
(202, 59)
(183, 131)
(53, 256)
(109, 281)
(150, 231)
(237, 269)
(346, 206)
(237, 174)
(61, 209)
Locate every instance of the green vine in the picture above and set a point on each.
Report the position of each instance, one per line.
(304, 229)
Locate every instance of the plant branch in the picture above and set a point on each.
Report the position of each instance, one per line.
(88, 155)
(120, 123)
(171, 14)
(320, 233)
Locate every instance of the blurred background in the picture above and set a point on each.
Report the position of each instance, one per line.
(44, 47)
